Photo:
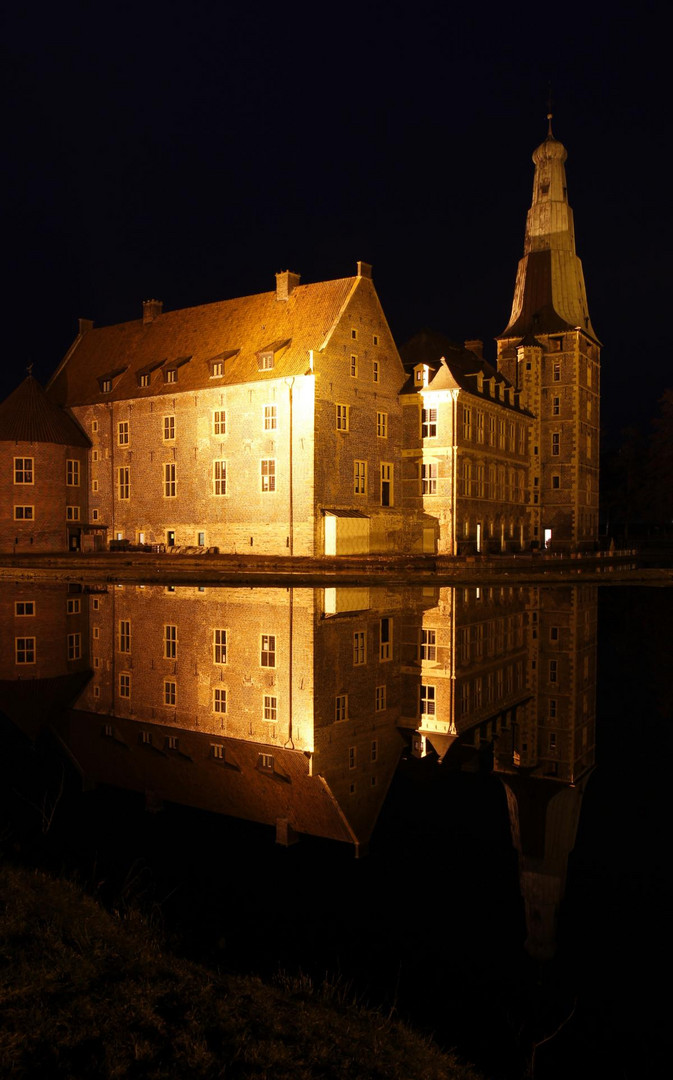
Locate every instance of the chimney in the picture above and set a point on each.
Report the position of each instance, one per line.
(151, 308)
(85, 325)
(286, 281)
(364, 269)
(476, 346)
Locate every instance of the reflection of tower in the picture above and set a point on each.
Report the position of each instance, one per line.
(549, 350)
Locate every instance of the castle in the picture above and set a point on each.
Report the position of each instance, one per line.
(286, 422)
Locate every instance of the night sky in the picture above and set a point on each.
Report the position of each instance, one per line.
(189, 151)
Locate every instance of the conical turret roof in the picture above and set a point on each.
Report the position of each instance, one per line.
(28, 415)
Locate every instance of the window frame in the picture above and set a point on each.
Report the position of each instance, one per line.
(20, 470)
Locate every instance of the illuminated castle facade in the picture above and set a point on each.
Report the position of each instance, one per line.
(286, 422)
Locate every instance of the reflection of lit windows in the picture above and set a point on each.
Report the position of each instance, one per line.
(124, 482)
(265, 762)
(169, 480)
(219, 422)
(170, 692)
(124, 685)
(268, 474)
(268, 651)
(123, 433)
(385, 638)
(219, 700)
(217, 750)
(428, 479)
(72, 513)
(359, 648)
(74, 646)
(24, 607)
(341, 707)
(553, 670)
(360, 477)
(270, 708)
(428, 700)
(172, 742)
(270, 417)
(341, 417)
(23, 470)
(106, 386)
(219, 477)
(380, 698)
(145, 738)
(124, 635)
(169, 428)
(352, 756)
(73, 606)
(170, 642)
(382, 425)
(428, 644)
(25, 650)
(219, 646)
(72, 473)
(24, 513)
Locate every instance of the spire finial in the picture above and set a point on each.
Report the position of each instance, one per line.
(29, 369)
(550, 133)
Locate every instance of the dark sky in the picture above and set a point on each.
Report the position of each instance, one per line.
(189, 151)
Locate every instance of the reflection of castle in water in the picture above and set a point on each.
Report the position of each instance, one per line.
(291, 707)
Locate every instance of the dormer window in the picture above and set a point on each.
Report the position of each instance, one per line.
(106, 386)
(144, 380)
(217, 370)
(422, 375)
(265, 361)
(171, 375)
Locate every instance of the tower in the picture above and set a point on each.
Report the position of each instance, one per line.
(549, 350)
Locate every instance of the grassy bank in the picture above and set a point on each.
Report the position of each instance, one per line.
(84, 994)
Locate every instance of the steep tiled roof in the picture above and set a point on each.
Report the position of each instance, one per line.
(28, 415)
(233, 331)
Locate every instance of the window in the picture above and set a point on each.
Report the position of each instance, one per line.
(24, 513)
(72, 513)
(552, 741)
(270, 708)
(169, 480)
(219, 700)
(501, 434)
(25, 650)
(556, 406)
(481, 485)
(429, 423)
(352, 757)
(380, 699)
(556, 481)
(465, 478)
(354, 366)
(23, 470)
(265, 762)
(341, 417)
(169, 428)
(219, 422)
(268, 472)
(386, 639)
(428, 644)
(382, 425)
(123, 433)
(354, 335)
(557, 372)
(589, 445)
(373, 750)
(491, 431)
(124, 482)
(467, 422)
(553, 671)
(219, 646)
(170, 692)
(74, 646)
(170, 642)
(144, 379)
(217, 369)
(219, 477)
(375, 339)
(386, 484)
(106, 386)
(480, 426)
(428, 702)
(556, 443)
(375, 371)
(360, 477)
(73, 606)
(94, 426)
(270, 418)
(265, 361)
(72, 473)
(268, 651)
(94, 515)
(359, 648)
(172, 742)
(124, 685)
(124, 635)
(24, 608)
(553, 633)
(171, 375)
(428, 479)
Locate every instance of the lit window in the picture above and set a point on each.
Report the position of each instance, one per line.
(268, 651)
(360, 477)
(268, 474)
(270, 418)
(380, 698)
(169, 428)
(219, 646)
(123, 433)
(385, 639)
(556, 443)
(169, 480)
(124, 482)
(170, 692)
(382, 425)
(354, 366)
(124, 636)
(24, 513)
(341, 417)
(24, 607)
(25, 650)
(219, 478)
(359, 647)
(270, 708)
(170, 642)
(72, 513)
(428, 700)
(72, 473)
(219, 700)
(73, 606)
(23, 470)
(124, 685)
(219, 422)
(74, 646)
(428, 479)
(428, 644)
(428, 423)
(375, 371)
